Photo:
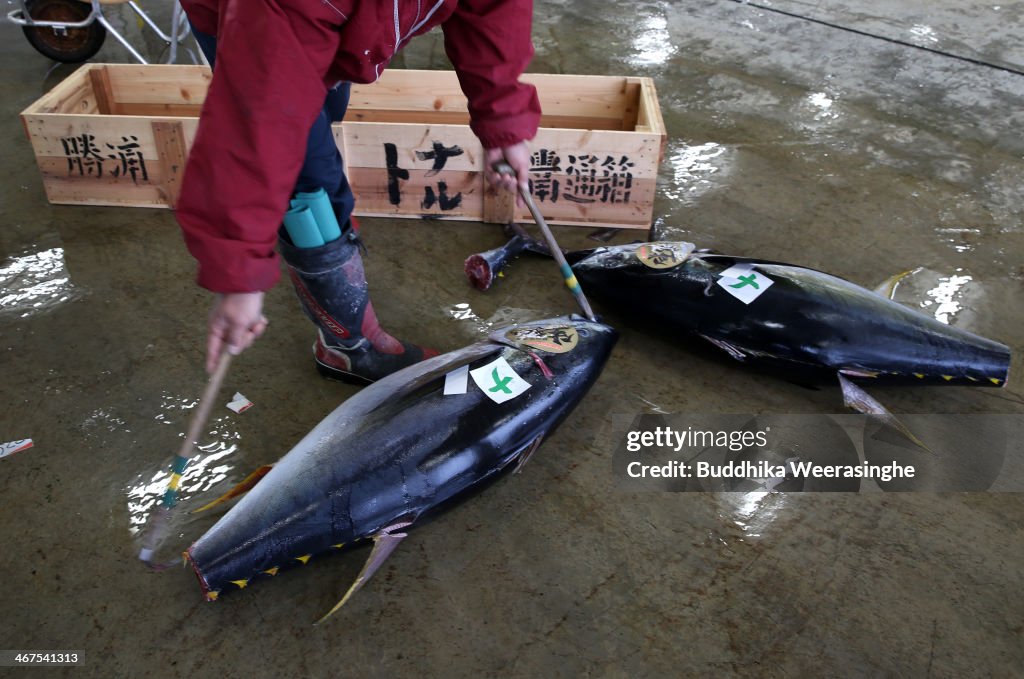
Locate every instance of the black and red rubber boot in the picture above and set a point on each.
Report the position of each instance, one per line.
(331, 285)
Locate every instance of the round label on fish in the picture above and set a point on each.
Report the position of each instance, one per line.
(554, 340)
(663, 255)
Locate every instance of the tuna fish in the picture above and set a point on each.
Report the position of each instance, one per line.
(784, 316)
(404, 447)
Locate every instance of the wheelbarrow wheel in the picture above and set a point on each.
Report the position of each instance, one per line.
(71, 45)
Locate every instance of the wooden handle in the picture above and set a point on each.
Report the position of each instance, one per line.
(556, 252)
(159, 522)
(202, 413)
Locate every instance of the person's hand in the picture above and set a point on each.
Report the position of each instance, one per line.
(518, 156)
(236, 320)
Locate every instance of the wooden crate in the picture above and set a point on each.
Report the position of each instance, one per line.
(119, 134)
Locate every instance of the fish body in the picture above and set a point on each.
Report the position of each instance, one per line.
(803, 320)
(401, 448)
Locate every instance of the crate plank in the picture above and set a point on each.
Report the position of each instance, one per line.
(159, 84)
(64, 188)
(72, 95)
(105, 103)
(50, 134)
(364, 145)
(458, 196)
(170, 140)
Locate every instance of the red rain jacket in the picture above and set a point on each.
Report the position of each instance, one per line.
(275, 60)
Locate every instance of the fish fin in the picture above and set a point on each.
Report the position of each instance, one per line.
(384, 543)
(245, 486)
(856, 398)
(529, 450)
(544, 369)
(513, 230)
(887, 288)
(857, 372)
(734, 351)
(603, 235)
(539, 247)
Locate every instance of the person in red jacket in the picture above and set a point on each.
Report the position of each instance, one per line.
(280, 77)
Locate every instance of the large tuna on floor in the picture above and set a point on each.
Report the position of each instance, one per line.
(403, 446)
(785, 316)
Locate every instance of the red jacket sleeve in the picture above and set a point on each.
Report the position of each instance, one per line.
(267, 89)
(489, 43)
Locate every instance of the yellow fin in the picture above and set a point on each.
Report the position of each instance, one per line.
(947, 377)
(241, 583)
(858, 399)
(212, 596)
(919, 376)
(246, 485)
(887, 288)
(526, 453)
(271, 571)
(384, 543)
(995, 380)
(304, 559)
(339, 545)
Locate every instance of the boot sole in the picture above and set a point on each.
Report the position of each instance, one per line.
(341, 376)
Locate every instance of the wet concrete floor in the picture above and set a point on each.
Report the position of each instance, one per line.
(789, 139)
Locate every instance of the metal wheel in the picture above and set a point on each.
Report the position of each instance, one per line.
(70, 45)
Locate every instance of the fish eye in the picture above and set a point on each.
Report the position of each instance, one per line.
(583, 332)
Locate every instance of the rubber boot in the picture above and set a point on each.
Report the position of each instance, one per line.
(331, 285)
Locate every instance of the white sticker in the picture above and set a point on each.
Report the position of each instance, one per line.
(240, 403)
(12, 447)
(456, 381)
(747, 285)
(737, 270)
(499, 381)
